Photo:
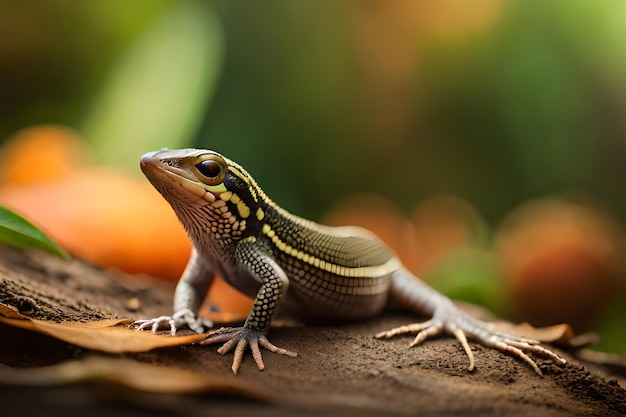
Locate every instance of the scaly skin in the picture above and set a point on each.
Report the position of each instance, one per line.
(314, 271)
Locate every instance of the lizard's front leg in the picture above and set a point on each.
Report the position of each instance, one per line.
(274, 283)
(190, 292)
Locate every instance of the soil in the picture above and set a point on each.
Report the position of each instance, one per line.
(340, 370)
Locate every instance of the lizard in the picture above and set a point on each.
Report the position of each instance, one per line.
(313, 271)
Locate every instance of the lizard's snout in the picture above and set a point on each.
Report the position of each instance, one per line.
(148, 158)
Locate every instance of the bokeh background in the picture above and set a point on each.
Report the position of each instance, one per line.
(484, 141)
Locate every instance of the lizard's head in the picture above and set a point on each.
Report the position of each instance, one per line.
(208, 192)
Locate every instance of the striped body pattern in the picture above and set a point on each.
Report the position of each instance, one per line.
(333, 273)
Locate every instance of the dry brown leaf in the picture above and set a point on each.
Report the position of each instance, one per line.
(130, 374)
(559, 333)
(111, 336)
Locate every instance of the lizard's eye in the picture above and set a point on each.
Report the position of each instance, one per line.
(212, 169)
(209, 169)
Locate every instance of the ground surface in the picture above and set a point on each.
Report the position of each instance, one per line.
(340, 370)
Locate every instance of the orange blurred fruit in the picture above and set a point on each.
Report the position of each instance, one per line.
(42, 154)
(561, 261)
(108, 218)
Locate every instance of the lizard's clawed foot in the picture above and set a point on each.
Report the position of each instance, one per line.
(240, 338)
(174, 322)
(462, 326)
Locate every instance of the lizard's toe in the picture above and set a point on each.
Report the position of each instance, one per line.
(463, 327)
(240, 338)
(174, 322)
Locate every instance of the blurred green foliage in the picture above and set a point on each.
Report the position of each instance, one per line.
(528, 103)
(55, 55)
(495, 101)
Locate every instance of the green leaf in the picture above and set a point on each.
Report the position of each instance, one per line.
(19, 233)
